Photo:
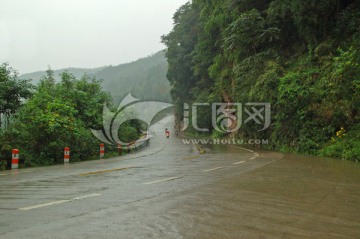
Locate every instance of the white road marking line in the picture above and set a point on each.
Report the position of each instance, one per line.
(44, 205)
(245, 149)
(85, 196)
(58, 202)
(239, 162)
(252, 158)
(213, 169)
(162, 180)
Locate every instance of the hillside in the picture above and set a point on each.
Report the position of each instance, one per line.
(299, 56)
(77, 72)
(144, 78)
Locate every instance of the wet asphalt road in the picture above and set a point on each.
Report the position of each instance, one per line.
(170, 190)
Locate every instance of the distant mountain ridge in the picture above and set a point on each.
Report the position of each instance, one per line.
(77, 72)
(145, 78)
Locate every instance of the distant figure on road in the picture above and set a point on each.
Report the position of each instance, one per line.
(167, 133)
(176, 133)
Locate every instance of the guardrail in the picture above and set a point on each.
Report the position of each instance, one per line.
(132, 147)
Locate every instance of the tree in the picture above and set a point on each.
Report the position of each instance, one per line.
(181, 44)
(302, 56)
(13, 92)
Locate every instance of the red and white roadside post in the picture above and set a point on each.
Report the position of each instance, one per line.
(15, 159)
(102, 150)
(66, 155)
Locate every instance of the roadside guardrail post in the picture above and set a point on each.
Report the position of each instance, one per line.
(15, 159)
(66, 155)
(102, 150)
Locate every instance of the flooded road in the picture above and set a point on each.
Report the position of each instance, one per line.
(295, 197)
(170, 190)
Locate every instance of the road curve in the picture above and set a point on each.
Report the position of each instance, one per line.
(170, 190)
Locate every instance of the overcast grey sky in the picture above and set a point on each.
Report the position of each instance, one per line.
(81, 33)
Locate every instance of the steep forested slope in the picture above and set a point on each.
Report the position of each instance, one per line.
(302, 56)
(145, 78)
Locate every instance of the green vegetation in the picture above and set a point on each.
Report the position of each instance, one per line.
(12, 91)
(144, 78)
(60, 107)
(77, 72)
(52, 116)
(302, 56)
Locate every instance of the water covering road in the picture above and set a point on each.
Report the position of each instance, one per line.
(170, 190)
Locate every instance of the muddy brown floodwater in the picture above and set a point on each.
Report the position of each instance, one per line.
(294, 197)
(170, 190)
